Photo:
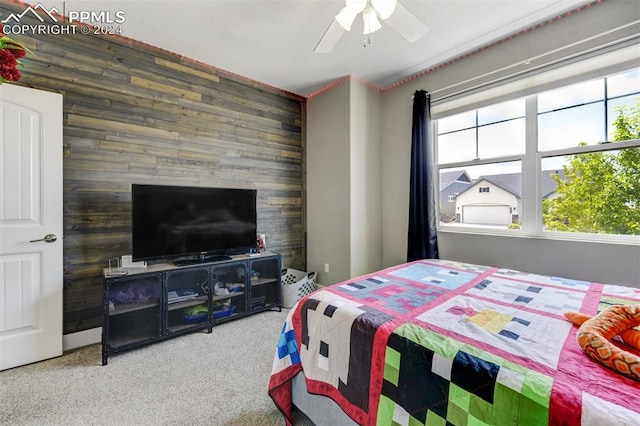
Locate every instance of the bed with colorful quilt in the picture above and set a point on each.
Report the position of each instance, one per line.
(438, 342)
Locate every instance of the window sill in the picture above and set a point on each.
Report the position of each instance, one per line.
(623, 240)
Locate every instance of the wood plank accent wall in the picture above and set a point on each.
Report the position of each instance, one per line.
(137, 114)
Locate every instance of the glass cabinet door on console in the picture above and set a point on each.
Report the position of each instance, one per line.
(134, 310)
(228, 291)
(187, 299)
(265, 283)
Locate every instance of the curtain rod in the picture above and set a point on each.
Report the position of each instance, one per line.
(527, 62)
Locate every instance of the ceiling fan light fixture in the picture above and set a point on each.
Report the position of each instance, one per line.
(384, 8)
(345, 18)
(356, 6)
(371, 23)
(395, 15)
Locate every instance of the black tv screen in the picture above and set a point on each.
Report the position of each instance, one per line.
(176, 221)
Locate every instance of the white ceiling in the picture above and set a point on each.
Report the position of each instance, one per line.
(272, 41)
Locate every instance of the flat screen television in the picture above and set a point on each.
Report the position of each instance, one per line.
(195, 223)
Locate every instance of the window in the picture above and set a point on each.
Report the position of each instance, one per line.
(488, 199)
(585, 139)
(488, 146)
(492, 132)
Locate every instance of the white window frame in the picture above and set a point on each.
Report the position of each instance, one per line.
(531, 211)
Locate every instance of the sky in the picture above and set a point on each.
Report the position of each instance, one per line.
(558, 126)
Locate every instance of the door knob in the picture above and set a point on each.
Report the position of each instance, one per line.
(49, 238)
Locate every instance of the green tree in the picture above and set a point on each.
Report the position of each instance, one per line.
(600, 191)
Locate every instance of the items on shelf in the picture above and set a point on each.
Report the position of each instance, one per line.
(181, 295)
(221, 309)
(220, 288)
(139, 291)
(196, 314)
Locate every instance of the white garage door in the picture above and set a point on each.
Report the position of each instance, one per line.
(486, 215)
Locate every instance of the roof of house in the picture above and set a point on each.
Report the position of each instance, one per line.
(549, 185)
(447, 178)
(454, 188)
(512, 182)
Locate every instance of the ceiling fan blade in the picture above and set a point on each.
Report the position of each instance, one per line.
(406, 24)
(330, 38)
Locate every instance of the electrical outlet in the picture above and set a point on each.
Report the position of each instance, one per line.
(326, 268)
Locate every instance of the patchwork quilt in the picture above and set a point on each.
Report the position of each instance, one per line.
(437, 342)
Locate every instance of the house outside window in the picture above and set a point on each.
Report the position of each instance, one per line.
(585, 142)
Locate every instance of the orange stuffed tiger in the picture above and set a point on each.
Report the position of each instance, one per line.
(594, 335)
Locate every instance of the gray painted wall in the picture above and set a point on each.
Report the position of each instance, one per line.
(366, 214)
(343, 182)
(328, 191)
(599, 262)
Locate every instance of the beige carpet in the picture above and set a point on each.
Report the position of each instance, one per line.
(196, 379)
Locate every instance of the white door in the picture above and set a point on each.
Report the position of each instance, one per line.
(486, 215)
(30, 210)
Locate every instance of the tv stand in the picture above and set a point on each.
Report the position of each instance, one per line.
(162, 302)
(202, 259)
(216, 258)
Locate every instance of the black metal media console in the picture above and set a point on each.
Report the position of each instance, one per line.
(165, 301)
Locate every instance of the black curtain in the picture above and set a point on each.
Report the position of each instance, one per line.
(422, 242)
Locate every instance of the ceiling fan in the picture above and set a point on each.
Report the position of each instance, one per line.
(391, 12)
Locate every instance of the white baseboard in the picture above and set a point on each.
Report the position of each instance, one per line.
(81, 338)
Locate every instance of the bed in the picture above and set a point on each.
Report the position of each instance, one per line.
(437, 342)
